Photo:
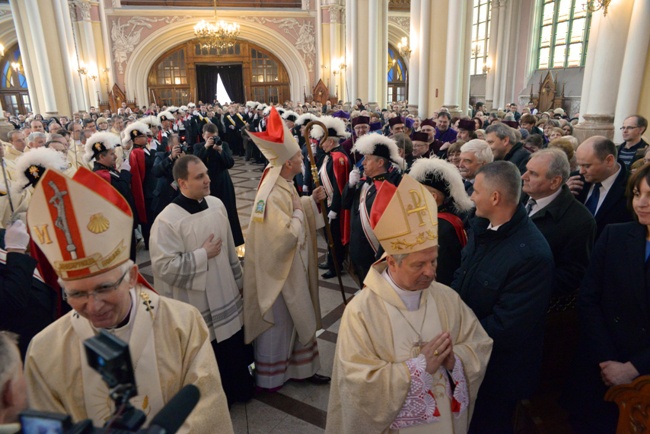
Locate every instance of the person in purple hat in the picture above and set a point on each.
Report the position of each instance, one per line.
(361, 127)
(466, 130)
(396, 125)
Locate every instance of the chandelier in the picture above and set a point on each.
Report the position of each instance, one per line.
(218, 35)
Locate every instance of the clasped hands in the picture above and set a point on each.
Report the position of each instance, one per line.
(439, 352)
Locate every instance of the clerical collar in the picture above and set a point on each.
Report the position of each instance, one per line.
(411, 299)
(192, 206)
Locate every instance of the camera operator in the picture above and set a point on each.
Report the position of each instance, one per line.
(13, 393)
(217, 157)
(166, 189)
(83, 227)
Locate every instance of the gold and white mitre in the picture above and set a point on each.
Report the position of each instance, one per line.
(405, 218)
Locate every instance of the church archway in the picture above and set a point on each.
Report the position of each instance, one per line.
(161, 41)
(172, 79)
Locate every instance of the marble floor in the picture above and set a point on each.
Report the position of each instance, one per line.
(298, 407)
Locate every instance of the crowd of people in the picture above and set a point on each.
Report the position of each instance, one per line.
(460, 230)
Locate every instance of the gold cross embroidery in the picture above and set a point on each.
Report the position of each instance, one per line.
(418, 206)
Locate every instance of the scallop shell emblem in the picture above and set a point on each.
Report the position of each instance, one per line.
(98, 223)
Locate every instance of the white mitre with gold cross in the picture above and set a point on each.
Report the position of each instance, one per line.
(405, 218)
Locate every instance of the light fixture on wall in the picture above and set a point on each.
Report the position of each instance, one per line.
(596, 5)
(83, 69)
(487, 66)
(403, 47)
(2, 50)
(218, 35)
(339, 66)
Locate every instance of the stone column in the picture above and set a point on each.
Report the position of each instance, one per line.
(500, 57)
(351, 48)
(414, 59)
(454, 56)
(42, 62)
(67, 43)
(464, 99)
(636, 53)
(424, 51)
(373, 42)
(604, 67)
(382, 55)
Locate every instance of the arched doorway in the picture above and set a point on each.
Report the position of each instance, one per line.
(173, 77)
(13, 84)
(397, 76)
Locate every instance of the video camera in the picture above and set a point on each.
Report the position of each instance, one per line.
(110, 357)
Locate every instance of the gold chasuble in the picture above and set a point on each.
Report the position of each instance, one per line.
(183, 355)
(370, 379)
(283, 249)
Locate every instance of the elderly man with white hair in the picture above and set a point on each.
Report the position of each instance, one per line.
(473, 155)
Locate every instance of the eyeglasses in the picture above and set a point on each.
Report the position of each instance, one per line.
(628, 128)
(100, 293)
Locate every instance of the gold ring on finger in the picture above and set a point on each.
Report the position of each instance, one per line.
(435, 353)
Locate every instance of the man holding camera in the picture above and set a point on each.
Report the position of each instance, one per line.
(217, 156)
(83, 226)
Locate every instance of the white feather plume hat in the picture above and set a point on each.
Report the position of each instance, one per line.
(335, 128)
(381, 146)
(445, 177)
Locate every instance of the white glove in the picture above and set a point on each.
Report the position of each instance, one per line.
(195, 112)
(332, 216)
(305, 189)
(355, 176)
(16, 236)
(125, 166)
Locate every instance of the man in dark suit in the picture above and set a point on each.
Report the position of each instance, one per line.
(505, 277)
(567, 225)
(602, 181)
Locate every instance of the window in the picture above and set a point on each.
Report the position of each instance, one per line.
(480, 35)
(13, 84)
(213, 51)
(397, 75)
(168, 80)
(265, 77)
(563, 34)
(171, 71)
(12, 78)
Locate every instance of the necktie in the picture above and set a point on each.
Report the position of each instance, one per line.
(530, 205)
(592, 202)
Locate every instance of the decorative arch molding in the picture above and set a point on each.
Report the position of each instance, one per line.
(395, 35)
(167, 37)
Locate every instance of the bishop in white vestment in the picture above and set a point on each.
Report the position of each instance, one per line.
(410, 355)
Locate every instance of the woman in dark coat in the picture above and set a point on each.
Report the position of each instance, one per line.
(614, 309)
